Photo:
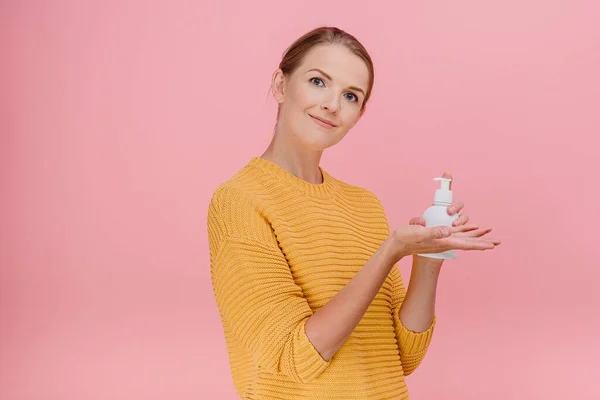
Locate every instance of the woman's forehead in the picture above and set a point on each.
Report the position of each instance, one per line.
(339, 63)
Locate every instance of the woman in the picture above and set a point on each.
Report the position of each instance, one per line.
(303, 265)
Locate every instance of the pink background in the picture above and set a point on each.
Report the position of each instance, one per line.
(120, 118)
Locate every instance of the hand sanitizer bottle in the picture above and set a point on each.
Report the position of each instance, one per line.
(437, 215)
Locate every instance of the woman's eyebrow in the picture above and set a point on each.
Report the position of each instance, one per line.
(329, 77)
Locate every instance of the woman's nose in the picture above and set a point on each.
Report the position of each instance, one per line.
(331, 105)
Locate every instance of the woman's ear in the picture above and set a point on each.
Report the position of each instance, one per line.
(278, 85)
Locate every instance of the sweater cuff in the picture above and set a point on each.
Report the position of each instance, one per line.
(412, 342)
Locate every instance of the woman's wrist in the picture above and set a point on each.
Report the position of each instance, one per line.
(427, 262)
(395, 247)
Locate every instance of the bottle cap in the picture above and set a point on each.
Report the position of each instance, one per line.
(443, 194)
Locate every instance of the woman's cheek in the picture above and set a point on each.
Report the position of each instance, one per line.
(310, 97)
(350, 116)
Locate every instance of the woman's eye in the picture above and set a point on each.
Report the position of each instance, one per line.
(319, 82)
(351, 97)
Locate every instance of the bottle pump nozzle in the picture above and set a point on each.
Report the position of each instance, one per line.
(443, 194)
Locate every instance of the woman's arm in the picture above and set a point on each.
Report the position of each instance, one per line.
(414, 313)
(418, 308)
(329, 327)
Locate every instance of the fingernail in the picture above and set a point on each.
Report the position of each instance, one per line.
(451, 209)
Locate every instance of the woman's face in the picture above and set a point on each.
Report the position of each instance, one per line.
(322, 99)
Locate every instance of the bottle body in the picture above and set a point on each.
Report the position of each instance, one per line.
(437, 215)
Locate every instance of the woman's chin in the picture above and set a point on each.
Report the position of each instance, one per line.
(318, 140)
(318, 143)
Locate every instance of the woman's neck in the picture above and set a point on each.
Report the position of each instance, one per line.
(298, 161)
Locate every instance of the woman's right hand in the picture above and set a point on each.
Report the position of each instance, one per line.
(417, 239)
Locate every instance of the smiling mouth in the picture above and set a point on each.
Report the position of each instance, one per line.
(322, 122)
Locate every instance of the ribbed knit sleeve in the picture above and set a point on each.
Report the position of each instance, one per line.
(413, 345)
(255, 290)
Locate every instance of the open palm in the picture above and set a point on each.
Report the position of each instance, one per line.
(417, 239)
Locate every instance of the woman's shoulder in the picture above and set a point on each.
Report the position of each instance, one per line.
(239, 191)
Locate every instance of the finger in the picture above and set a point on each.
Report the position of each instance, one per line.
(475, 233)
(480, 245)
(417, 221)
(456, 207)
(427, 234)
(449, 176)
(461, 220)
(466, 243)
(464, 228)
(439, 232)
(480, 233)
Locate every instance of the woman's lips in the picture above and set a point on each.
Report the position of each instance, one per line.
(322, 122)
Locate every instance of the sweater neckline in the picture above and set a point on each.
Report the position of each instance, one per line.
(320, 190)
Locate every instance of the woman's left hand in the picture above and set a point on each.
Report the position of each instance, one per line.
(455, 208)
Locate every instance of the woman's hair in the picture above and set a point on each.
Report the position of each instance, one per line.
(293, 56)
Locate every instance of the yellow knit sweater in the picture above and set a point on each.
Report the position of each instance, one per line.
(280, 249)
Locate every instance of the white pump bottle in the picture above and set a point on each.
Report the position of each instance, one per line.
(437, 215)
